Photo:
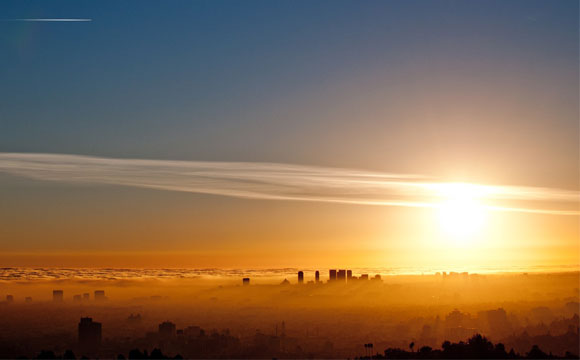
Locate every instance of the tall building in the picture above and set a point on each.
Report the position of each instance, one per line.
(332, 275)
(9, 298)
(246, 281)
(341, 275)
(300, 277)
(86, 296)
(349, 275)
(134, 319)
(364, 277)
(77, 298)
(317, 276)
(57, 295)
(193, 331)
(167, 329)
(89, 336)
(100, 295)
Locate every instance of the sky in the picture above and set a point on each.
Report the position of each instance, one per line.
(295, 103)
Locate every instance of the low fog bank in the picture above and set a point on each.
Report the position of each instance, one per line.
(221, 317)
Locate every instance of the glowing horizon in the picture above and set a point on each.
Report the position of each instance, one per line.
(185, 134)
(282, 179)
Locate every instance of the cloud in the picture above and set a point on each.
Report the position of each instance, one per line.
(274, 181)
(49, 20)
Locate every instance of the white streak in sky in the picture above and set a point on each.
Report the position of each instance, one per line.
(49, 20)
(274, 181)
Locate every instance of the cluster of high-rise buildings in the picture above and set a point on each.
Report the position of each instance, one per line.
(58, 297)
(337, 276)
(99, 295)
(334, 276)
(344, 276)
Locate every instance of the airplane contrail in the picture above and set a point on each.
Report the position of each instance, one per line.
(50, 20)
(276, 181)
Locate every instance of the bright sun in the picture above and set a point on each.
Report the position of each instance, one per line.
(461, 215)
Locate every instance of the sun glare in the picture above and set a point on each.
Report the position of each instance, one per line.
(461, 214)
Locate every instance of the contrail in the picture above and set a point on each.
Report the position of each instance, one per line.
(275, 181)
(49, 20)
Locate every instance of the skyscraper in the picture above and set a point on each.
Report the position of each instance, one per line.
(167, 329)
(89, 336)
(100, 295)
(300, 277)
(341, 275)
(317, 276)
(349, 275)
(246, 281)
(57, 295)
(332, 275)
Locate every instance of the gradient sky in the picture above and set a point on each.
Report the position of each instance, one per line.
(474, 91)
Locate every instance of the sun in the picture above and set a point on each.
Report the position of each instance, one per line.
(461, 213)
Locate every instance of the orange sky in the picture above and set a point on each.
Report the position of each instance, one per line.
(124, 143)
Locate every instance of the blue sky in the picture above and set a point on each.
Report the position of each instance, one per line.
(479, 91)
(274, 81)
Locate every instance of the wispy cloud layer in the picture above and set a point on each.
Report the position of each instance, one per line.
(49, 20)
(274, 181)
(121, 277)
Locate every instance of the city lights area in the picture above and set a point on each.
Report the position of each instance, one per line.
(299, 316)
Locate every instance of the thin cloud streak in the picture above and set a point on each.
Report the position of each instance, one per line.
(274, 181)
(49, 20)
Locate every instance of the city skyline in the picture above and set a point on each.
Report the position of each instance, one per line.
(289, 179)
(157, 319)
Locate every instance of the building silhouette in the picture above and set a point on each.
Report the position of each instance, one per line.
(300, 277)
(317, 276)
(90, 333)
(246, 281)
(100, 295)
(331, 275)
(57, 295)
(349, 275)
(134, 319)
(9, 298)
(77, 298)
(167, 329)
(193, 331)
(86, 296)
(28, 299)
(364, 277)
(341, 275)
